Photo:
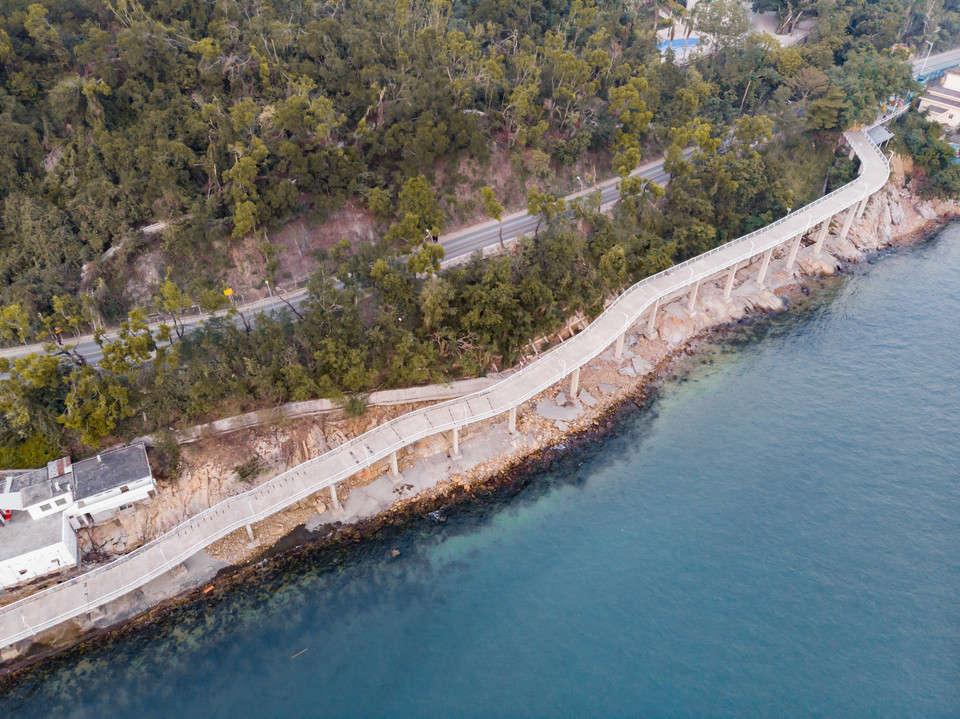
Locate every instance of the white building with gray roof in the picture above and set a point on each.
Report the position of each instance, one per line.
(942, 100)
(31, 548)
(48, 505)
(109, 482)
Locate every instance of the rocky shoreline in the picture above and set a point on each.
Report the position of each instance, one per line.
(548, 426)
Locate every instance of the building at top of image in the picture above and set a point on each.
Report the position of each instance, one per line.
(42, 509)
(942, 100)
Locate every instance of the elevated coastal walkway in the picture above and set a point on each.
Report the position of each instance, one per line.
(85, 593)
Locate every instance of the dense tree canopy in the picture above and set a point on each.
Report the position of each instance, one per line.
(230, 116)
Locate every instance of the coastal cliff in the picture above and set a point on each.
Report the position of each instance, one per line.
(217, 468)
(894, 215)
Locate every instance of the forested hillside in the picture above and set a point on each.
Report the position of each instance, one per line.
(232, 117)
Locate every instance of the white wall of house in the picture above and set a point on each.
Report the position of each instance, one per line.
(951, 81)
(45, 560)
(950, 117)
(68, 538)
(102, 506)
(942, 109)
(50, 506)
(11, 500)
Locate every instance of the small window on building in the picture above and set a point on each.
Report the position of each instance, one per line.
(45, 507)
(124, 488)
(81, 503)
(60, 502)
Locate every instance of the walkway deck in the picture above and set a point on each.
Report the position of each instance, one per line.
(86, 592)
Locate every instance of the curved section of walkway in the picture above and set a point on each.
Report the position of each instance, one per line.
(88, 591)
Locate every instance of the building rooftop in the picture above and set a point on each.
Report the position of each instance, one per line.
(36, 493)
(944, 91)
(22, 535)
(110, 469)
(29, 478)
(941, 100)
(879, 134)
(35, 486)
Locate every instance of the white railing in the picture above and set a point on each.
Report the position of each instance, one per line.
(87, 591)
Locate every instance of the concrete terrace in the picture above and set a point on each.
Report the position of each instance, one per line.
(23, 534)
(43, 610)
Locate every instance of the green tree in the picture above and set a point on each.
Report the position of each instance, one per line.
(101, 397)
(172, 301)
(493, 208)
(378, 202)
(31, 394)
(544, 207)
(868, 78)
(426, 260)
(421, 215)
(14, 324)
(95, 405)
(436, 298)
(70, 314)
(725, 22)
(824, 113)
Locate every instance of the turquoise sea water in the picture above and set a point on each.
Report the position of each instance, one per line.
(777, 536)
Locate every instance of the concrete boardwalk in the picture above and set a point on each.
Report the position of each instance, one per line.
(31, 615)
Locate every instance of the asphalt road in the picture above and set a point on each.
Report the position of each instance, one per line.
(92, 352)
(469, 240)
(935, 63)
(456, 244)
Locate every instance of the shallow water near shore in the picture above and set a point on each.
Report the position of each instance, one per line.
(777, 535)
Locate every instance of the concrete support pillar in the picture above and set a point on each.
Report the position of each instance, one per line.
(652, 324)
(334, 500)
(862, 206)
(847, 223)
(512, 421)
(693, 298)
(574, 384)
(394, 466)
(618, 350)
(455, 452)
(793, 251)
(763, 267)
(820, 238)
(728, 288)
(250, 534)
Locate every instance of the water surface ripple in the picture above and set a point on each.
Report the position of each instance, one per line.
(778, 536)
